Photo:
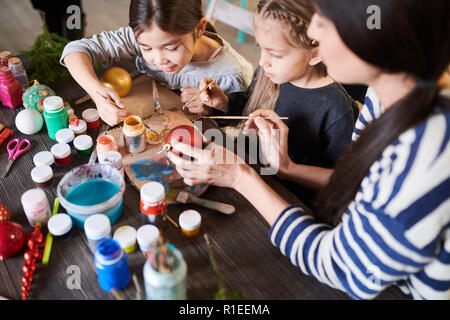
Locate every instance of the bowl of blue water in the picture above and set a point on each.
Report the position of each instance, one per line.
(92, 189)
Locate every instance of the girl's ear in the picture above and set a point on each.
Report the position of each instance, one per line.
(315, 58)
(201, 27)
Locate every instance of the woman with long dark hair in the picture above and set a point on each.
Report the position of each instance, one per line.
(383, 217)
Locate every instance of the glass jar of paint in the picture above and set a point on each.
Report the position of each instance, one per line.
(10, 91)
(105, 143)
(42, 176)
(80, 129)
(147, 237)
(18, 71)
(44, 158)
(55, 115)
(84, 145)
(126, 237)
(168, 285)
(4, 57)
(153, 202)
(60, 226)
(112, 266)
(98, 229)
(134, 134)
(91, 117)
(62, 153)
(190, 221)
(36, 207)
(114, 159)
(65, 135)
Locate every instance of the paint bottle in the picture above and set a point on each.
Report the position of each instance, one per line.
(10, 90)
(169, 285)
(44, 158)
(134, 135)
(18, 71)
(91, 117)
(98, 229)
(153, 202)
(60, 226)
(105, 143)
(190, 221)
(4, 57)
(147, 237)
(42, 176)
(79, 129)
(62, 153)
(55, 115)
(112, 266)
(126, 237)
(84, 145)
(36, 207)
(114, 159)
(65, 136)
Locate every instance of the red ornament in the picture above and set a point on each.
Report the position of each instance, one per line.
(35, 241)
(12, 235)
(186, 134)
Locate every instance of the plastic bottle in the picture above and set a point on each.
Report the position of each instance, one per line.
(10, 91)
(55, 115)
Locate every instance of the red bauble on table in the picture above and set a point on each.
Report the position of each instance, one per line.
(186, 134)
(12, 235)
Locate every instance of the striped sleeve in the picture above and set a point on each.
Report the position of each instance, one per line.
(395, 232)
(370, 111)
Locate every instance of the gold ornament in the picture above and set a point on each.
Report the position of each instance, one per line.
(117, 79)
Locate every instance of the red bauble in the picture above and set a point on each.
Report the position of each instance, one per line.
(12, 235)
(186, 134)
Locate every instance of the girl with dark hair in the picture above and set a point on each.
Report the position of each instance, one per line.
(382, 219)
(171, 42)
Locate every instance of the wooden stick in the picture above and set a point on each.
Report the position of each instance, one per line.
(172, 221)
(83, 99)
(198, 94)
(236, 117)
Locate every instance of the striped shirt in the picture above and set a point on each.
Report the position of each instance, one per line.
(397, 229)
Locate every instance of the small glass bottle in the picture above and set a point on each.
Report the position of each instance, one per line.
(91, 117)
(126, 237)
(65, 136)
(114, 159)
(18, 71)
(97, 228)
(60, 226)
(105, 143)
(36, 206)
(42, 176)
(4, 57)
(134, 135)
(44, 158)
(10, 90)
(190, 221)
(169, 284)
(61, 153)
(55, 115)
(153, 202)
(112, 266)
(147, 237)
(79, 129)
(84, 145)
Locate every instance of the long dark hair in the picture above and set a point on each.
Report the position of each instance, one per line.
(414, 39)
(172, 16)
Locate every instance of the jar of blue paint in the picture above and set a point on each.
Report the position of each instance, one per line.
(112, 266)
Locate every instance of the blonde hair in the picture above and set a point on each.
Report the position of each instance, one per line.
(296, 16)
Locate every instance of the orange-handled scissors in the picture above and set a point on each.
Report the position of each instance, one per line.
(15, 148)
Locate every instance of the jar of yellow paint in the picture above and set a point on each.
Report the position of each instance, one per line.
(126, 237)
(190, 221)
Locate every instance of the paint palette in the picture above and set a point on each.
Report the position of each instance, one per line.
(152, 164)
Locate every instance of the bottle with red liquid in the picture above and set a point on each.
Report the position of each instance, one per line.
(153, 203)
(10, 91)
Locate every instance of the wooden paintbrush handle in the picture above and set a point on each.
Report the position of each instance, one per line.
(218, 206)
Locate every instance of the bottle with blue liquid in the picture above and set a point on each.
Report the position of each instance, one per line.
(112, 266)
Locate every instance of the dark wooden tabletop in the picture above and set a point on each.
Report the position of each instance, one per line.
(249, 262)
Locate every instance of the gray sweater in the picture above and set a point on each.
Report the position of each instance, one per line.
(229, 69)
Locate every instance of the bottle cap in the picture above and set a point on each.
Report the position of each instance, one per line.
(97, 226)
(5, 54)
(190, 220)
(126, 237)
(59, 224)
(83, 142)
(147, 235)
(14, 61)
(53, 104)
(41, 174)
(90, 115)
(133, 126)
(61, 150)
(43, 158)
(82, 127)
(64, 135)
(152, 192)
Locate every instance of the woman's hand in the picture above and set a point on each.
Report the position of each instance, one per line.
(110, 113)
(212, 98)
(214, 165)
(273, 134)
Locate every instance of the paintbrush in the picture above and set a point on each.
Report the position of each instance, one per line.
(198, 94)
(181, 196)
(236, 117)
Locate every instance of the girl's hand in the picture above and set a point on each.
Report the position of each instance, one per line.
(273, 134)
(110, 113)
(214, 165)
(197, 105)
(212, 98)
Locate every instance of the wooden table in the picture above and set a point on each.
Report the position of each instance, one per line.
(249, 262)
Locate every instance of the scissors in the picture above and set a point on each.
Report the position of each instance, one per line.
(15, 151)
